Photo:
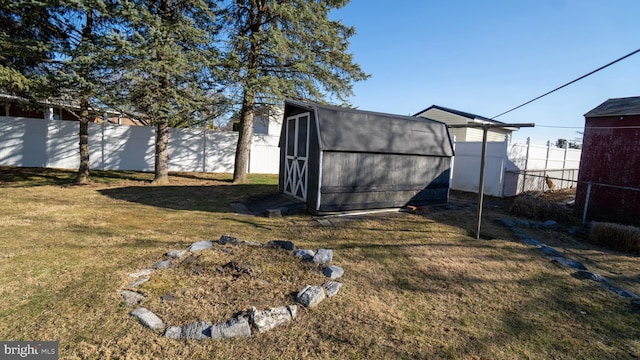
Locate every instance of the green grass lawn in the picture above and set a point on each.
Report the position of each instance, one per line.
(415, 286)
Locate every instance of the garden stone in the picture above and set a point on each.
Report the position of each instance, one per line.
(198, 330)
(323, 256)
(569, 263)
(584, 274)
(332, 287)
(148, 319)
(621, 292)
(282, 244)
(549, 251)
(311, 296)
(176, 254)
(270, 318)
(333, 272)
(169, 297)
(173, 332)
(164, 264)
(224, 239)
(251, 243)
(143, 272)
(236, 327)
(131, 297)
(304, 254)
(507, 223)
(293, 310)
(200, 245)
(139, 282)
(533, 242)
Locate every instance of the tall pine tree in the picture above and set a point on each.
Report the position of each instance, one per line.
(167, 52)
(285, 48)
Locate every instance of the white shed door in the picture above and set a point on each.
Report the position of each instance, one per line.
(297, 149)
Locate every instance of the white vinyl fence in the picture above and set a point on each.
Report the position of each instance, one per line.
(511, 169)
(28, 142)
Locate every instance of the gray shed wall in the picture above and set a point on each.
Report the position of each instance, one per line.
(367, 181)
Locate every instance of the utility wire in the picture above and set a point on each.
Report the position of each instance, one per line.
(569, 83)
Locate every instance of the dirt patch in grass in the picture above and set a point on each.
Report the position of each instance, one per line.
(217, 284)
(416, 286)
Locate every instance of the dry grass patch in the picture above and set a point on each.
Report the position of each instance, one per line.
(616, 236)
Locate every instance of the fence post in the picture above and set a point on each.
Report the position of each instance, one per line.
(526, 163)
(564, 163)
(546, 165)
(104, 146)
(586, 203)
(204, 150)
(505, 158)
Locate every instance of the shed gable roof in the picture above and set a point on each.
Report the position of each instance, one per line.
(616, 107)
(344, 129)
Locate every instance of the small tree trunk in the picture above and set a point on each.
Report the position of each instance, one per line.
(245, 134)
(83, 170)
(162, 154)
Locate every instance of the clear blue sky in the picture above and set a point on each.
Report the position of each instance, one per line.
(488, 56)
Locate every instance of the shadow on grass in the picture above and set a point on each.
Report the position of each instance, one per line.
(212, 198)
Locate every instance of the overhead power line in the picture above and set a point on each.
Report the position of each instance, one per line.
(569, 83)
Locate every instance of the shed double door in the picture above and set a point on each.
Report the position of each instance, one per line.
(297, 149)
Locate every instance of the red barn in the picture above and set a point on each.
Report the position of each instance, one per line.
(609, 177)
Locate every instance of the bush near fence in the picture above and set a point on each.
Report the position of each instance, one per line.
(615, 236)
(537, 208)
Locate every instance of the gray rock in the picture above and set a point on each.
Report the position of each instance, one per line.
(131, 297)
(148, 319)
(549, 223)
(278, 212)
(173, 332)
(282, 244)
(507, 223)
(310, 296)
(588, 275)
(621, 292)
(169, 298)
(569, 263)
(176, 254)
(323, 256)
(304, 254)
(200, 245)
(224, 239)
(270, 318)
(333, 272)
(198, 330)
(293, 310)
(139, 282)
(236, 327)
(143, 272)
(332, 287)
(164, 264)
(533, 242)
(251, 243)
(549, 251)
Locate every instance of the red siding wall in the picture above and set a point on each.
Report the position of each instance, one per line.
(611, 156)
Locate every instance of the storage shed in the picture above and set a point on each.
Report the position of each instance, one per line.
(610, 163)
(338, 159)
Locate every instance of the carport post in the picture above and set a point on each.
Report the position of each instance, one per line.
(485, 127)
(481, 181)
